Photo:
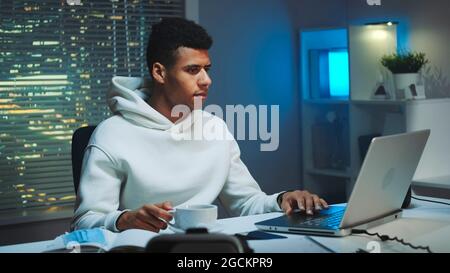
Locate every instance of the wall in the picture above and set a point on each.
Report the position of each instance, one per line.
(254, 62)
(436, 155)
(306, 14)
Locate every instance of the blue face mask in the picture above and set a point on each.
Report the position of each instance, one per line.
(85, 236)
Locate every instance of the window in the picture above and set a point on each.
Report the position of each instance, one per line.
(56, 62)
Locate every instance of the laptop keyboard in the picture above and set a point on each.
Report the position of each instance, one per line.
(331, 220)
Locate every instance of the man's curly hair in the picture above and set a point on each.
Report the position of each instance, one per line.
(170, 34)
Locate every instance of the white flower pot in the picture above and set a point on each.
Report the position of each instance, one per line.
(402, 83)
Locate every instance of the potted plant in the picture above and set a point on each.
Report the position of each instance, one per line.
(405, 66)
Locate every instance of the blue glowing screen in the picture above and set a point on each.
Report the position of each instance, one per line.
(338, 73)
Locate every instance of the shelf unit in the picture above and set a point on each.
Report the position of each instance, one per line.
(326, 101)
(332, 127)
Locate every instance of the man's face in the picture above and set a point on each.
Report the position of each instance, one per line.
(188, 80)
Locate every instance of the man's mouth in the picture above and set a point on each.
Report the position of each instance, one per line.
(202, 95)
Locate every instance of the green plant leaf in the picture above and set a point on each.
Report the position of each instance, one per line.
(404, 62)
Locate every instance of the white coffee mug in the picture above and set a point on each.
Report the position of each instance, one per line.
(194, 216)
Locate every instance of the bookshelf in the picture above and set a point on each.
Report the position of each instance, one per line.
(337, 130)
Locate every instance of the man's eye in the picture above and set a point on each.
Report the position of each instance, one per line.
(193, 70)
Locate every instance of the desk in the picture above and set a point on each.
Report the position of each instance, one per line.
(423, 224)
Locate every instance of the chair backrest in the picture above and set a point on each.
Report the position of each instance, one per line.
(80, 140)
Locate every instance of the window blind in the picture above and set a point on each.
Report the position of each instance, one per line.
(57, 61)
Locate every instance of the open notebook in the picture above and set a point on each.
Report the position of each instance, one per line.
(101, 240)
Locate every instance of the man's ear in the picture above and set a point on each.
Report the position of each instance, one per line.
(159, 73)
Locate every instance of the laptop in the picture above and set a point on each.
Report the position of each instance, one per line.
(377, 196)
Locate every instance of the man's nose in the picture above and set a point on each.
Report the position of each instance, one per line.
(205, 80)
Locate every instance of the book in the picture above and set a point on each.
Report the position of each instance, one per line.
(101, 240)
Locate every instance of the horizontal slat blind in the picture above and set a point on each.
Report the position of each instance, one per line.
(56, 64)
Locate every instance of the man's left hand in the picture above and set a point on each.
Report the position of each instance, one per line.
(302, 200)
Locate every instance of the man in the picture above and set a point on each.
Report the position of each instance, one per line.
(135, 170)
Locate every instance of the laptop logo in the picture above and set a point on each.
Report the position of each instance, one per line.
(388, 178)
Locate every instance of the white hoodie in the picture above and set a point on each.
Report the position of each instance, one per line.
(134, 159)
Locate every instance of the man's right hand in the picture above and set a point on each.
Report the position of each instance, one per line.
(147, 217)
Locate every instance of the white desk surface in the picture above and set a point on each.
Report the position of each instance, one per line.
(423, 224)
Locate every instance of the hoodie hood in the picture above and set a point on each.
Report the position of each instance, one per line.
(128, 97)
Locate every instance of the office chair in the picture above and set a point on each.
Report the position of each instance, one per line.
(80, 140)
